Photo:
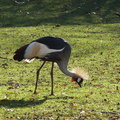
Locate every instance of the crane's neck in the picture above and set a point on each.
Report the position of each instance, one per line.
(63, 68)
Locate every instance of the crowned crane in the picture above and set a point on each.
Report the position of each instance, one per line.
(51, 49)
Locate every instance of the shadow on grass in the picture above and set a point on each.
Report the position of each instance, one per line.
(34, 13)
(21, 103)
(29, 103)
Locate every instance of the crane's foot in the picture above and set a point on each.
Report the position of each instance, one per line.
(52, 94)
(36, 92)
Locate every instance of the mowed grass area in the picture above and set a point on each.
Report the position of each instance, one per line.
(95, 47)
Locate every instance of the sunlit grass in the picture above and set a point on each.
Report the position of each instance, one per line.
(92, 29)
(94, 47)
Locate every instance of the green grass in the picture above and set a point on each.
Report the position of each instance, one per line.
(63, 12)
(95, 46)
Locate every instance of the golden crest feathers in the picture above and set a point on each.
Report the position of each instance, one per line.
(80, 72)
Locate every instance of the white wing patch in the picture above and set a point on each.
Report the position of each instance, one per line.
(29, 60)
(32, 50)
(40, 50)
(45, 50)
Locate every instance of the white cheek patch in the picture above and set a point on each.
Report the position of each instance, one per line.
(78, 80)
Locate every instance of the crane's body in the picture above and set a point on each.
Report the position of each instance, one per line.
(51, 49)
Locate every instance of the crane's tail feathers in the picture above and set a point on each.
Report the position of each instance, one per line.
(81, 73)
(29, 60)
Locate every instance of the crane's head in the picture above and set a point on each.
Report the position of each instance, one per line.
(78, 80)
(19, 53)
(80, 75)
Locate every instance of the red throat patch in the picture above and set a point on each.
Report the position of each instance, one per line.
(72, 79)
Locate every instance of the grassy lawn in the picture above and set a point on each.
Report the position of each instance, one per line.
(94, 34)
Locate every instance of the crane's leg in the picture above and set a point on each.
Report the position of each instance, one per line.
(51, 73)
(37, 76)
